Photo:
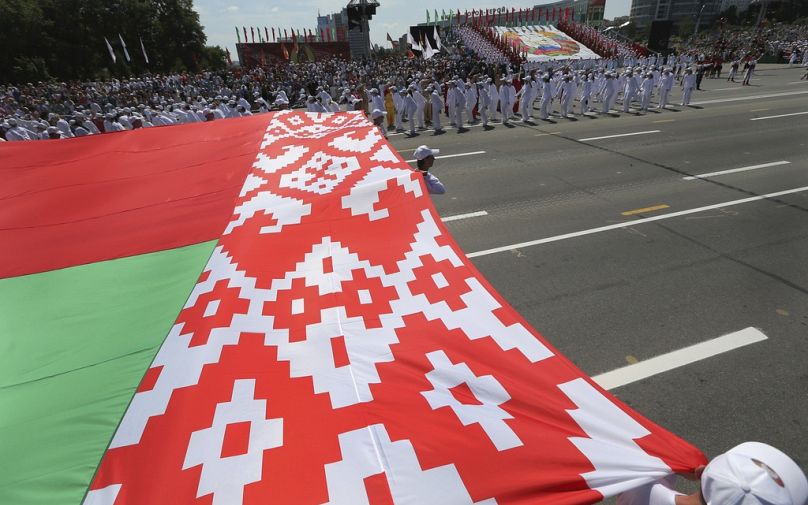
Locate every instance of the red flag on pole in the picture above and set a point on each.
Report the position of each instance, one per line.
(285, 35)
(266, 32)
(284, 51)
(554, 12)
(273, 34)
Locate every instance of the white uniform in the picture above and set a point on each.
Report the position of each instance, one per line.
(493, 94)
(485, 104)
(507, 96)
(459, 105)
(688, 85)
(450, 101)
(647, 89)
(548, 91)
(630, 92)
(471, 101)
(568, 90)
(410, 106)
(586, 95)
(526, 99)
(609, 95)
(665, 86)
(437, 107)
(420, 103)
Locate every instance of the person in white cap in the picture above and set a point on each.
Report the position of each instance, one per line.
(665, 86)
(376, 101)
(752, 473)
(568, 90)
(420, 103)
(646, 90)
(548, 91)
(459, 97)
(485, 102)
(688, 85)
(507, 97)
(377, 116)
(586, 93)
(425, 158)
(437, 107)
(493, 94)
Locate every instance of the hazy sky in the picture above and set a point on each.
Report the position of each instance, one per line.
(220, 17)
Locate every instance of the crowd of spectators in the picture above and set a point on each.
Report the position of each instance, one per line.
(482, 44)
(725, 43)
(53, 110)
(49, 110)
(602, 42)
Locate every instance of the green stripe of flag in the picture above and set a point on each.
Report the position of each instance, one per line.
(74, 344)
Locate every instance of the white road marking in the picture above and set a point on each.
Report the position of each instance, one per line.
(799, 82)
(619, 135)
(753, 97)
(453, 156)
(781, 115)
(634, 222)
(734, 170)
(725, 89)
(464, 216)
(676, 359)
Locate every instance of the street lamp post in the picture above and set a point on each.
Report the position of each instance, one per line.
(698, 19)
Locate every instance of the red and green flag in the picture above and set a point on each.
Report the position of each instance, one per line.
(270, 310)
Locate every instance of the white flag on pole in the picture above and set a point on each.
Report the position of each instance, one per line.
(125, 52)
(437, 38)
(411, 41)
(111, 52)
(143, 48)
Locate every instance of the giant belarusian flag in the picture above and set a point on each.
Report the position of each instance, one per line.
(269, 310)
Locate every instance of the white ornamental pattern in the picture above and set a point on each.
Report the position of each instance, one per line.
(338, 314)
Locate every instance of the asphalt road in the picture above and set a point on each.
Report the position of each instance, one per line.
(609, 298)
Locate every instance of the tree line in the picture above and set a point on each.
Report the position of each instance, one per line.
(64, 39)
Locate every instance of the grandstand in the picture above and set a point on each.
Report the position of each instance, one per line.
(534, 35)
(268, 53)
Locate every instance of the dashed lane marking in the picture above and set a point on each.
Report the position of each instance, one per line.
(734, 170)
(634, 222)
(677, 359)
(645, 210)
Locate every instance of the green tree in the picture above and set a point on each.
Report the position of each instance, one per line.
(65, 38)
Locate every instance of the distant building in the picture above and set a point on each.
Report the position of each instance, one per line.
(588, 12)
(740, 5)
(643, 12)
(356, 32)
(333, 27)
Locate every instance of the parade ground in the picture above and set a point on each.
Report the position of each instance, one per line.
(673, 243)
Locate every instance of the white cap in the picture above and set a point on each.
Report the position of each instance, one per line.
(754, 474)
(425, 152)
(377, 113)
